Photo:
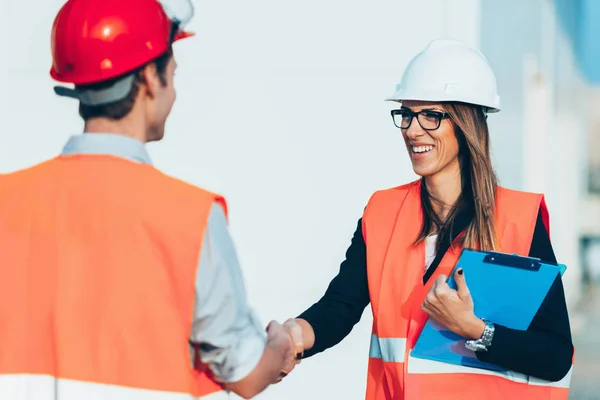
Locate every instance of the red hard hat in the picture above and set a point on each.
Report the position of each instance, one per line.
(98, 40)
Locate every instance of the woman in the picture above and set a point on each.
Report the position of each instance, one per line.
(409, 240)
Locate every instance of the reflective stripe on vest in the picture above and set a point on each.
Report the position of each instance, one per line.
(391, 223)
(388, 349)
(392, 350)
(99, 257)
(43, 387)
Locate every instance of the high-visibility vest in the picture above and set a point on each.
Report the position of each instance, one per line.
(391, 223)
(98, 258)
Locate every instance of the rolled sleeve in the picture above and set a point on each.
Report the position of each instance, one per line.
(227, 332)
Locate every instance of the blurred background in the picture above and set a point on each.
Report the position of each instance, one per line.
(280, 108)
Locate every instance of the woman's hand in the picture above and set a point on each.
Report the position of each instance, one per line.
(453, 308)
(295, 332)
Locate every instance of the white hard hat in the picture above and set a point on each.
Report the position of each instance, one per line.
(449, 70)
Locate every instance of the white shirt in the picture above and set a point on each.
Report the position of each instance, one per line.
(430, 243)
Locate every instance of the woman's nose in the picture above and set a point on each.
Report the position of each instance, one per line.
(414, 130)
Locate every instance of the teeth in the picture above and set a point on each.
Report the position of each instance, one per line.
(421, 149)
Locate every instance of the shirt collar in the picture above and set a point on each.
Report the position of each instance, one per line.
(107, 144)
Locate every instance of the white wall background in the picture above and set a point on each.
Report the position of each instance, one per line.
(280, 108)
(539, 137)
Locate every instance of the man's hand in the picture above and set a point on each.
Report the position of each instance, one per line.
(295, 333)
(278, 337)
(276, 356)
(453, 308)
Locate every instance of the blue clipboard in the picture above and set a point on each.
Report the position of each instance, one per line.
(506, 289)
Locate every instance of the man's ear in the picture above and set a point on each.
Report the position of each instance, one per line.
(150, 79)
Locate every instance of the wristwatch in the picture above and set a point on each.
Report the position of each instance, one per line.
(485, 341)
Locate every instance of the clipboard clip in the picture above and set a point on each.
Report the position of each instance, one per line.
(513, 260)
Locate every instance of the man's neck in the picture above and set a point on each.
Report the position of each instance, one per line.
(122, 127)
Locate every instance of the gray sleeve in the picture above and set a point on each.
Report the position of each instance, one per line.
(229, 335)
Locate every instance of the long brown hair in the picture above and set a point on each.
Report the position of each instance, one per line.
(477, 200)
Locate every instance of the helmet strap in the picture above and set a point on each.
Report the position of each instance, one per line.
(97, 97)
(173, 33)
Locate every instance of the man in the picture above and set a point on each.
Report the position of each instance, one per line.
(118, 281)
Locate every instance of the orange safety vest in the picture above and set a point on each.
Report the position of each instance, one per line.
(98, 258)
(391, 223)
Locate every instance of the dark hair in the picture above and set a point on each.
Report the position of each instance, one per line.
(121, 108)
(474, 209)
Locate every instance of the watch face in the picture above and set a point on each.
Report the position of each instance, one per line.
(488, 334)
(475, 346)
(484, 342)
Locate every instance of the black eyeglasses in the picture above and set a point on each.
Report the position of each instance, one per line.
(429, 120)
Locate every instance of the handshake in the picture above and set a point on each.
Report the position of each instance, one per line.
(288, 342)
(283, 351)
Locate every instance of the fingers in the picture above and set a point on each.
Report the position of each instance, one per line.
(461, 284)
(278, 337)
(445, 305)
(437, 293)
(440, 288)
(295, 332)
(432, 301)
(268, 326)
(292, 332)
(441, 279)
(426, 306)
(274, 327)
(430, 304)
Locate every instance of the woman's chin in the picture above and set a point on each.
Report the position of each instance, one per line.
(423, 172)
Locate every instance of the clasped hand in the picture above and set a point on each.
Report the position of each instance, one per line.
(453, 308)
(294, 332)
